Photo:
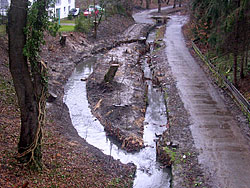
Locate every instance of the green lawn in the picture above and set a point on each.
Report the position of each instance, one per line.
(67, 28)
(67, 21)
(2, 29)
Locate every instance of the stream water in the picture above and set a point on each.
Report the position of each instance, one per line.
(149, 172)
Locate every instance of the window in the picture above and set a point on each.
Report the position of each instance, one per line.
(64, 9)
(58, 2)
(69, 1)
(69, 8)
(58, 13)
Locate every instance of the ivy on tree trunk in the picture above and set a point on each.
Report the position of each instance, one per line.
(29, 73)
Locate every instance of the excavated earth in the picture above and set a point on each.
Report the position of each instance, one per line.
(120, 105)
(61, 62)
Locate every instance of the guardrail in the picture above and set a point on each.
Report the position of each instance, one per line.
(235, 94)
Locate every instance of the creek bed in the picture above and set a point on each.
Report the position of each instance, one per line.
(149, 172)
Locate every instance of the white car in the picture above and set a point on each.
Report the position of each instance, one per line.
(91, 8)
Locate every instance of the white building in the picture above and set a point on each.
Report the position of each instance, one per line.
(61, 7)
(4, 5)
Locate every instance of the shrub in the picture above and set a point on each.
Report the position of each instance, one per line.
(83, 24)
(70, 17)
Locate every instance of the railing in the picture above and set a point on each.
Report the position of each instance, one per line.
(235, 94)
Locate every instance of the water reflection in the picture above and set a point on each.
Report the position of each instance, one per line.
(149, 173)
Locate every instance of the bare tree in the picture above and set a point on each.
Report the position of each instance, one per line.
(175, 3)
(148, 4)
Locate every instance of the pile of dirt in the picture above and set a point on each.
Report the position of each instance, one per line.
(111, 26)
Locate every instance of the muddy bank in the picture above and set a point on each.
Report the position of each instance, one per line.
(61, 62)
(120, 105)
(69, 161)
(178, 146)
(175, 148)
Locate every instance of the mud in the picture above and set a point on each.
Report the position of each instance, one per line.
(210, 141)
(120, 105)
(61, 62)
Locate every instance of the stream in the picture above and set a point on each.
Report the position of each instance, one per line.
(149, 172)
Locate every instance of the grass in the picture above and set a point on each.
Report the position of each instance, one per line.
(66, 21)
(67, 28)
(2, 29)
(160, 32)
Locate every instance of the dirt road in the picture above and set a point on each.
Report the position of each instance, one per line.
(223, 150)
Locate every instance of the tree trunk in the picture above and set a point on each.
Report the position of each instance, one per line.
(159, 6)
(95, 23)
(246, 59)
(174, 3)
(28, 87)
(242, 66)
(236, 49)
(235, 81)
(180, 3)
(147, 4)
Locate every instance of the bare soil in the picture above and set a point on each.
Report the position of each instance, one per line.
(68, 160)
(187, 172)
(181, 154)
(120, 105)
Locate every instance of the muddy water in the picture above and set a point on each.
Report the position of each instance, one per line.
(149, 173)
(223, 150)
(145, 17)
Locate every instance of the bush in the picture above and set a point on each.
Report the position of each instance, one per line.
(70, 17)
(83, 24)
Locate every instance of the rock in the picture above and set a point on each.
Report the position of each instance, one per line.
(52, 97)
(128, 51)
(84, 79)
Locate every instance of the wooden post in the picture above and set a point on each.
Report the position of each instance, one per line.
(109, 76)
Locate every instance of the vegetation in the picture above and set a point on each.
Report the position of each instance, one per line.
(67, 21)
(223, 27)
(67, 28)
(83, 24)
(29, 74)
(2, 30)
(171, 154)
